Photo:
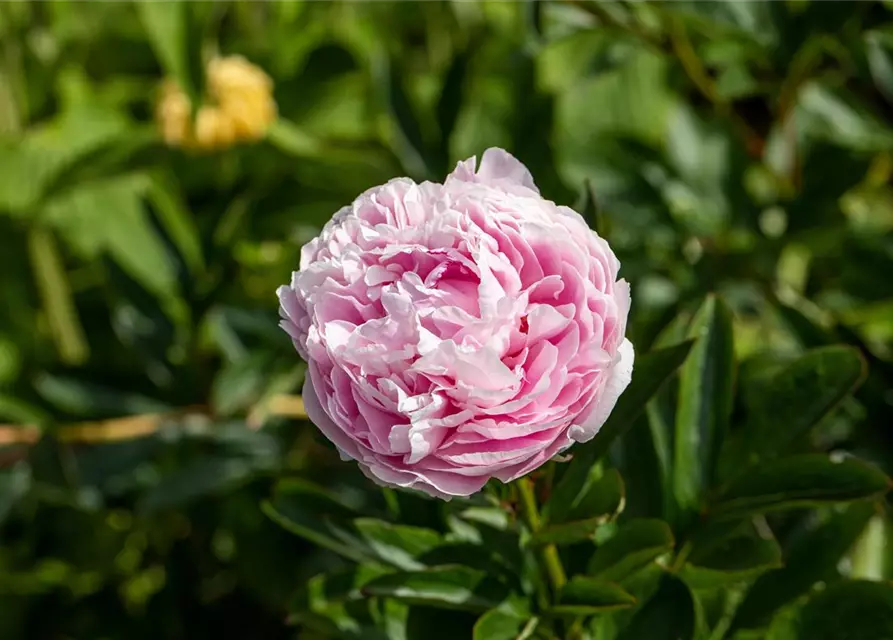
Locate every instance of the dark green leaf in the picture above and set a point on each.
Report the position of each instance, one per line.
(736, 559)
(814, 557)
(398, 545)
(797, 481)
(451, 96)
(668, 615)
(583, 596)
(88, 400)
(792, 401)
(450, 587)
(14, 484)
(407, 132)
(650, 372)
(312, 513)
(589, 209)
(858, 610)
(705, 404)
(635, 545)
(568, 532)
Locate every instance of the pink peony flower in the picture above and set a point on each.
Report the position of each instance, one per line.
(458, 332)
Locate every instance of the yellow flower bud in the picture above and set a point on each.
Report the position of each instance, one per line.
(239, 107)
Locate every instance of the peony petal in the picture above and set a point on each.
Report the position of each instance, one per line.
(621, 374)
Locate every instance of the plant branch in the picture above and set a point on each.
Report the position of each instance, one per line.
(548, 555)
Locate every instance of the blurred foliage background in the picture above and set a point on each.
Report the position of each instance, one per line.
(739, 148)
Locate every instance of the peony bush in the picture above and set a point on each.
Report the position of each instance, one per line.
(449, 435)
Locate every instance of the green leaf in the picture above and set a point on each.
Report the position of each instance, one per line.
(178, 223)
(794, 400)
(31, 168)
(812, 558)
(589, 209)
(735, 559)
(797, 481)
(568, 532)
(603, 497)
(108, 216)
(314, 514)
(448, 587)
(331, 595)
(705, 404)
(86, 399)
(584, 596)
(57, 298)
(14, 484)
(668, 615)
(398, 545)
(511, 620)
(177, 43)
(407, 132)
(878, 47)
(451, 97)
(857, 610)
(206, 476)
(650, 372)
(837, 116)
(635, 545)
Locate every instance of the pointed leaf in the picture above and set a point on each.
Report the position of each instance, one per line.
(794, 400)
(583, 596)
(448, 587)
(635, 545)
(651, 371)
(813, 558)
(736, 559)
(858, 610)
(705, 404)
(568, 532)
(797, 481)
(509, 621)
(398, 545)
(312, 513)
(407, 132)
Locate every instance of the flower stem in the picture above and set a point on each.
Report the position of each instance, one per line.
(548, 555)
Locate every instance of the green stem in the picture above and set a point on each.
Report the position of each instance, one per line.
(551, 563)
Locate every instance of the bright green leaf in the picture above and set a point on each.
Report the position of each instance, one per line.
(511, 620)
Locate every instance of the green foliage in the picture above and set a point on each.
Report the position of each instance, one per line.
(738, 157)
